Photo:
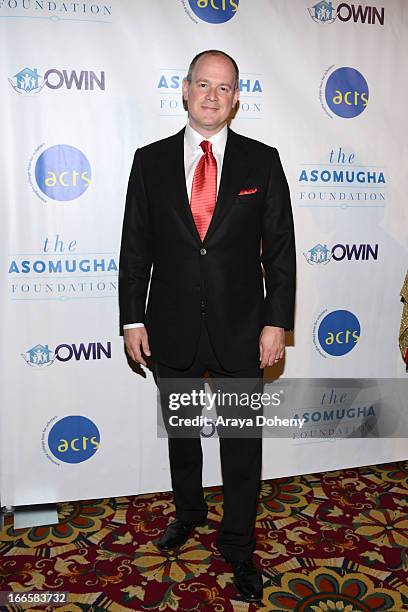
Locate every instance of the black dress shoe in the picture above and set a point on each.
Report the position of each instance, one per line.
(248, 579)
(176, 534)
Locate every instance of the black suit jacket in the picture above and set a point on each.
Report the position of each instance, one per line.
(224, 271)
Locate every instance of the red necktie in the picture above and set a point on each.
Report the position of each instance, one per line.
(204, 189)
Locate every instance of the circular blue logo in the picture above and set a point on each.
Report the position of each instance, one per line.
(339, 332)
(346, 92)
(214, 11)
(63, 172)
(74, 439)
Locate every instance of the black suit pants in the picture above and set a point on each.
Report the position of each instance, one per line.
(241, 458)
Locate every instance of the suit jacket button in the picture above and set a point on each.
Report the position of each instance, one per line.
(203, 251)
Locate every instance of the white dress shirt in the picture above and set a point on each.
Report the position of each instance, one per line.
(192, 154)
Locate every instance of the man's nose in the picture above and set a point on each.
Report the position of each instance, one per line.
(212, 93)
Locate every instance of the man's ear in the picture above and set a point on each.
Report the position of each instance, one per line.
(236, 97)
(185, 87)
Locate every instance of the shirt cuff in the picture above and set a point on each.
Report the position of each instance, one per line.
(133, 325)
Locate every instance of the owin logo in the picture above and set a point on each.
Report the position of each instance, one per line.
(336, 333)
(41, 356)
(321, 254)
(213, 11)
(72, 439)
(344, 92)
(325, 13)
(30, 81)
(61, 172)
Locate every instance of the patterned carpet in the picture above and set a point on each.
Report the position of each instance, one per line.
(332, 541)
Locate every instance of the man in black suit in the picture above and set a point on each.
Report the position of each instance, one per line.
(209, 211)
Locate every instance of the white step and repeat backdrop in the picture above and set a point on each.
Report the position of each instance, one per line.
(83, 84)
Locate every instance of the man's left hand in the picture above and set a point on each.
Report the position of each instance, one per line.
(271, 345)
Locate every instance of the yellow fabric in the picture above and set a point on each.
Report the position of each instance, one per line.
(403, 337)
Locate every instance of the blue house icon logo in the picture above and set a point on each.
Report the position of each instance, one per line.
(323, 12)
(39, 356)
(317, 255)
(27, 81)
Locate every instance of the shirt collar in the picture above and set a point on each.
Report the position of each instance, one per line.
(193, 139)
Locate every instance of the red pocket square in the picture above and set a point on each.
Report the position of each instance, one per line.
(248, 191)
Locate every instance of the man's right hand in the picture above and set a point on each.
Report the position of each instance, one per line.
(136, 341)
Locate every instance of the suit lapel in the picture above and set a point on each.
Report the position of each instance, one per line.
(234, 169)
(177, 177)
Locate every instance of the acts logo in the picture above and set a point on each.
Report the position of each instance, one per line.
(61, 172)
(72, 439)
(336, 333)
(344, 92)
(211, 11)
